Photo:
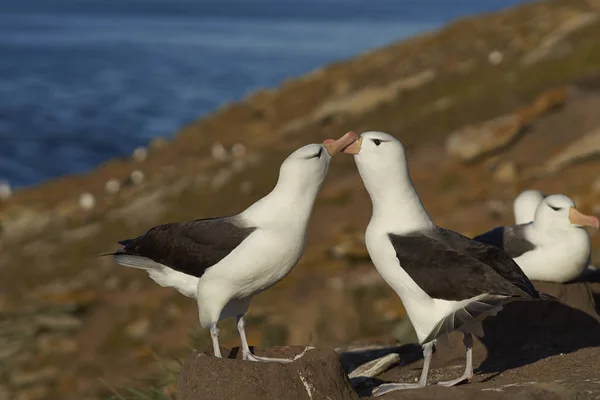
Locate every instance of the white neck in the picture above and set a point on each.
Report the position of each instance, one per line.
(288, 204)
(396, 203)
(542, 230)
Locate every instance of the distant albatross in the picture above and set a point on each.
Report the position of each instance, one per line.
(554, 247)
(525, 205)
(446, 281)
(222, 262)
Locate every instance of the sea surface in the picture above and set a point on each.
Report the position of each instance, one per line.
(83, 81)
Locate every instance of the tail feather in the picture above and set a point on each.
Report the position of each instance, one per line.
(469, 316)
(139, 262)
(109, 254)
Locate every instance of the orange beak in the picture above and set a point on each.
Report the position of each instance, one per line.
(354, 148)
(580, 219)
(335, 146)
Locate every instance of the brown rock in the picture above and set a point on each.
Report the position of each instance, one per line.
(369, 98)
(474, 141)
(316, 375)
(531, 350)
(584, 148)
(550, 45)
(578, 295)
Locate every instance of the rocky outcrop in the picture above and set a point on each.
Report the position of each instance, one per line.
(554, 44)
(584, 148)
(475, 141)
(318, 374)
(530, 350)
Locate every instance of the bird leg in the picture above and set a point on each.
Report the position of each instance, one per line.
(468, 374)
(214, 334)
(247, 355)
(390, 387)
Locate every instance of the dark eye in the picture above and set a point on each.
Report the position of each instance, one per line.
(377, 142)
(555, 208)
(316, 155)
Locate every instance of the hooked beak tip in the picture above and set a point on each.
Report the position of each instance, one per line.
(578, 218)
(336, 146)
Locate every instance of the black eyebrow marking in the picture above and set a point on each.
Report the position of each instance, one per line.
(316, 155)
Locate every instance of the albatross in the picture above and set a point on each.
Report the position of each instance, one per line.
(525, 205)
(554, 247)
(223, 262)
(445, 280)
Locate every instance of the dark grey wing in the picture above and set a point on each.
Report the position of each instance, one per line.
(511, 239)
(494, 258)
(515, 242)
(189, 247)
(495, 237)
(450, 273)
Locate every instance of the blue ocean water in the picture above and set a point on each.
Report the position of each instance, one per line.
(82, 81)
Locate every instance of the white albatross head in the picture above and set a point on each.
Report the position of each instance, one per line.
(383, 167)
(525, 205)
(304, 170)
(558, 211)
(300, 177)
(379, 156)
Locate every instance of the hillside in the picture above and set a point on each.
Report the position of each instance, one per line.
(486, 107)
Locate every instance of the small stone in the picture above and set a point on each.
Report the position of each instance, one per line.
(28, 378)
(136, 177)
(246, 187)
(474, 141)
(5, 190)
(219, 152)
(158, 143)
(220, 179)
(138, 329)
(495, 57)
(87, 201)
(140, 154)
(112, 186)
(56, 344)
(238, 150)
(506, 172)
(58, 322)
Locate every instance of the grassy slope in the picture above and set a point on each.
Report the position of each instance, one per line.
(473, 91)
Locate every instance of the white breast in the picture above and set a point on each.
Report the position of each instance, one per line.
(259, 262)
(422, 310)
(557, 258)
